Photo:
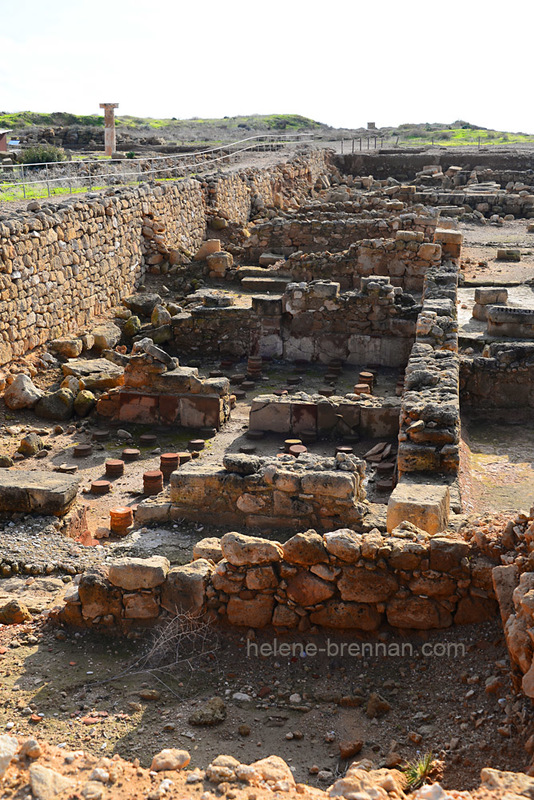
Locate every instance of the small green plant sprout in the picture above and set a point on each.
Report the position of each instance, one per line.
(417, 772)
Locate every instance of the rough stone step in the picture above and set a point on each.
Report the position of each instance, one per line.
(36, 491)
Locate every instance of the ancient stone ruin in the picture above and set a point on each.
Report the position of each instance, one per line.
(265, 402)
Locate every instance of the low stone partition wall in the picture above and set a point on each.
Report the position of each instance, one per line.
(338, 580)
(429, 438)
(287, 235)
(503, 378)
(404, 260)
(430, 413)
(374, 325)
(368, 415)
(486, 203)
(313, 322)
(353, 201)
(430, 417)
(157, 390)
(265, 493)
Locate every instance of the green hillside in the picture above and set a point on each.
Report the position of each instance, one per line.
(25, 119)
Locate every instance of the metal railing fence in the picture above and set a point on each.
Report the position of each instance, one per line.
(72, 176)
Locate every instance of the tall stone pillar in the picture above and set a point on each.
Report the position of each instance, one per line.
(109, 130)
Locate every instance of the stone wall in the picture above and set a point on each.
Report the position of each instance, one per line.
(265, 493)
(313, 322)
(430, 416)
(62, 265)
(338, 580)
(404, 260)
(332, 232)
(367, 415)
(487, 203)
(429, 437)
(236, 196)
(155, 392)
(503, 378)
(60, 268)
(405, 164)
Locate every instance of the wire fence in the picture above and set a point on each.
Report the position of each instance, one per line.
(27, 181)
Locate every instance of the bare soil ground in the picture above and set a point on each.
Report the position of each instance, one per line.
(479, 253)
(501, 458)
(86, 692)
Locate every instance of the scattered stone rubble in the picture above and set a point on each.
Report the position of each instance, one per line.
(46, 771)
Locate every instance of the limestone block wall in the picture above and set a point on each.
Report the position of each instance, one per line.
(313, 322)
(337, 580)
(430, 415)
(404, 260)
(62, 265)
(282, 493)
(375, 417)
(332, 232)
(235, 196)
(375, 325)
(487, 203)
(61, 268)
(403, 165)
(502, 378)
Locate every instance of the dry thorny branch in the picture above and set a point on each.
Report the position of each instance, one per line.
(187, 640)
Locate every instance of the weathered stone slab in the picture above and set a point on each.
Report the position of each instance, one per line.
(36, 491)
(423, 504)
(138, 573)
(96, 373)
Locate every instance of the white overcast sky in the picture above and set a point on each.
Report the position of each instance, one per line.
(344, 62)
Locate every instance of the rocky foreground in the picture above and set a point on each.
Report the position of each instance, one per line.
(29, 768)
